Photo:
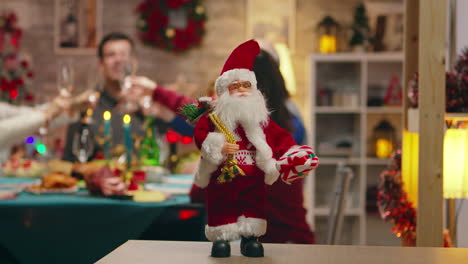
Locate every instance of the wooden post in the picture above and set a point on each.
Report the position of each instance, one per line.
(411, 48)
(432, 36)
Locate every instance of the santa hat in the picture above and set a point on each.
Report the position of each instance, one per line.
(238, 66)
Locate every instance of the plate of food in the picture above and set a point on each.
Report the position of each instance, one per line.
(55, 182)
(24, 168)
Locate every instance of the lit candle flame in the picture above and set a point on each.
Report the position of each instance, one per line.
(127, 119)
(89, 112)
(107, 115)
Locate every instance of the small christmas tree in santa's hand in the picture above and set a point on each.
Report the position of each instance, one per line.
(15, 72)
(360, 27)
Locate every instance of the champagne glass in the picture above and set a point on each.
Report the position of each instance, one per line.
(65, 77)
(93, 84)
(128, 70)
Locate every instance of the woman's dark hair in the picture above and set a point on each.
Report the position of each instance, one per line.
(112, 36)
(271, 83)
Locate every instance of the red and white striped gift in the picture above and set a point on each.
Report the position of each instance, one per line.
(296, 163)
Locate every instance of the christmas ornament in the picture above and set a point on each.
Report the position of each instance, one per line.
(235, 135)
(393, 95)
(173, 25)
(361, 31)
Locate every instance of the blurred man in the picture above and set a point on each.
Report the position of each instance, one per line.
(116, 60)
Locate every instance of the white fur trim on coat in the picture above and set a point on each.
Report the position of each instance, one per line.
(212, 146)
(222, 82)
(211, 158)
(264, 155)
(245, 226)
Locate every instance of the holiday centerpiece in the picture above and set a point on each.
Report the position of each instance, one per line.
(173, 25)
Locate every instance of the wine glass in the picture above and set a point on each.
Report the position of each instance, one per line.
(65, 77)
(93, 84)
(128, 70)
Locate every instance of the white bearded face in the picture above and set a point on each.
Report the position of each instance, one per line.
(247, 108)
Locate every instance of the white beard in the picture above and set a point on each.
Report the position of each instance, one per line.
(250, 111)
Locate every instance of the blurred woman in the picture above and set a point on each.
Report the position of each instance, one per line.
(285, 211)
(271, 83)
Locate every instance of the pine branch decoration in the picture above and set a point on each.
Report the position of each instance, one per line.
(192, 112)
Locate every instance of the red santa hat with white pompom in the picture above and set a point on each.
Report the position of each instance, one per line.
(238, 66)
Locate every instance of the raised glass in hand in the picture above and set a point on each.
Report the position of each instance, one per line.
(129, 70)
(65, 77)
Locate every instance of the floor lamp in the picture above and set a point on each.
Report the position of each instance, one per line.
(455, 172)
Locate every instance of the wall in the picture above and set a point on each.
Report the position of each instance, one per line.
(199, 65)
(225, 29)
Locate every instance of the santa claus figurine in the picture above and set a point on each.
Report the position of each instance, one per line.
(241, 149)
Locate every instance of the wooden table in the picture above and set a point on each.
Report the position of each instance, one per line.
(142, 252)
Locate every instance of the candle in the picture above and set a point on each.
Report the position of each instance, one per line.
(128, 137)
(107, 133)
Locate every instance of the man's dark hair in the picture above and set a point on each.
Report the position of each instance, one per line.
(113, 36)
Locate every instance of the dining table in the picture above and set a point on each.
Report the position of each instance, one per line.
(76, 227)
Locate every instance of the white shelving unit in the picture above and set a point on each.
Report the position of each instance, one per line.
(354, 78)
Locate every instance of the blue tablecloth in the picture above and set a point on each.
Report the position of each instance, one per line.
(72, 228)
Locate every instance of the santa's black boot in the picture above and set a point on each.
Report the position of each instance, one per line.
(250, 247)
(221, 249)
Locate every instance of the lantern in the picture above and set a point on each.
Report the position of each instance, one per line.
(328, 30)
(384, 138)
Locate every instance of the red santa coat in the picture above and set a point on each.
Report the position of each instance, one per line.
(237, 208)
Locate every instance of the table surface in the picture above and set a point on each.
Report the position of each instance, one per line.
(72, 228)
(142, 252)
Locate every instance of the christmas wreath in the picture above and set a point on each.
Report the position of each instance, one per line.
(174, 25)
